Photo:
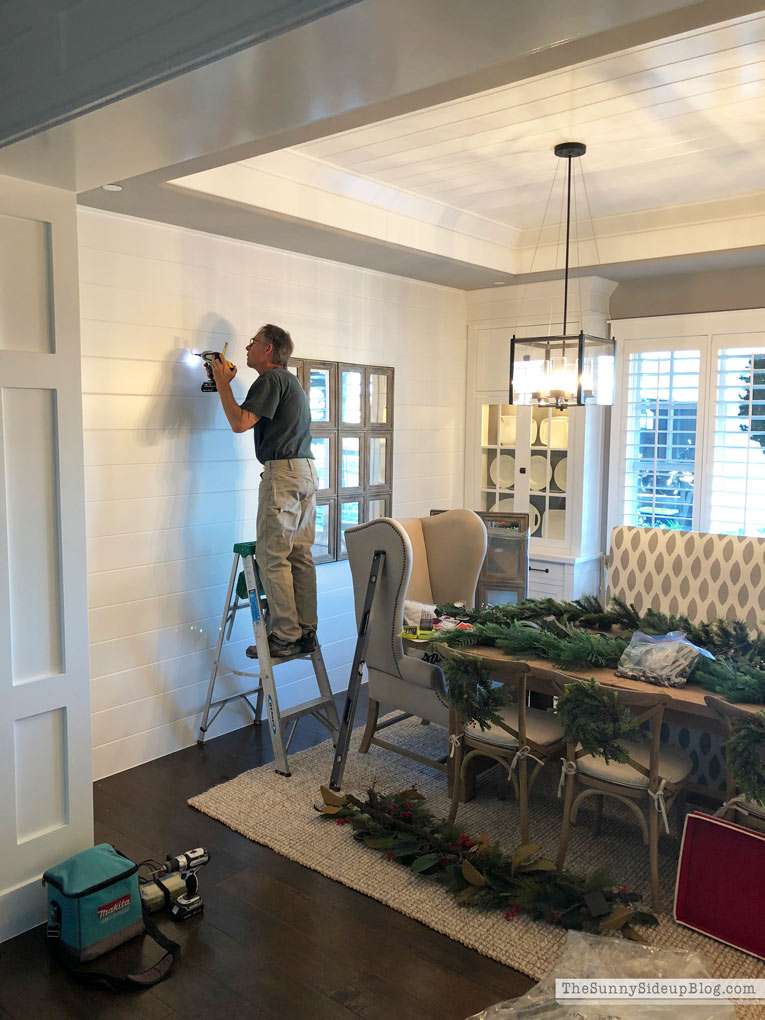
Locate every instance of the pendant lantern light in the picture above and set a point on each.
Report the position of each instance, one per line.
(569, 370)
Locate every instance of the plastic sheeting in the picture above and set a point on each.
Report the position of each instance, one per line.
(596, 956)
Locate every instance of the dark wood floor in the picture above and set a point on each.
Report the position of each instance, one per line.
(276, 941)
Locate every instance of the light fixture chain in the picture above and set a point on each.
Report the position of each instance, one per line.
(568, 244)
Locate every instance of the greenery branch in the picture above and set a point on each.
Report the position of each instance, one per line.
(480, 873)
(745, 756)
(591, 716)
(581, 634)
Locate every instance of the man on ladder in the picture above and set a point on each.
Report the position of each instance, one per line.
(277, 410)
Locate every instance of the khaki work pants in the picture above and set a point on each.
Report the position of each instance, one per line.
(286, 526)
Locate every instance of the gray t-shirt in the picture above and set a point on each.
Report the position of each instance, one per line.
(284, 429)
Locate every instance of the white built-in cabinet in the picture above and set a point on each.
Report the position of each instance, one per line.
(545, 462)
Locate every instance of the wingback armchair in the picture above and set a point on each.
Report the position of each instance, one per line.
(430, 560)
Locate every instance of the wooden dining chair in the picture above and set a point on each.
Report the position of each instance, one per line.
(523, 733)
(649, 783)
(736, 806)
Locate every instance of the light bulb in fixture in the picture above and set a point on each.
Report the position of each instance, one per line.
(111, 187)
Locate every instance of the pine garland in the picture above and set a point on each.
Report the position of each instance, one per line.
(745, 755)
(581, 634)
(591, 716)
(478, 872)
(471, 692)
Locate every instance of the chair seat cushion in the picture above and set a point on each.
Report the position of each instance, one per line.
(674, 766)
(541, 727)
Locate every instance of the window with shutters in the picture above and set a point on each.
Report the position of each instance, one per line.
(690, 434)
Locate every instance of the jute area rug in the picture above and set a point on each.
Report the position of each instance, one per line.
(279, 814)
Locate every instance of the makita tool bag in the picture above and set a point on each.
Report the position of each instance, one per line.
(94, 905)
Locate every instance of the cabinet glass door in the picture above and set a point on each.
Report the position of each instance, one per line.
(548, 481)
(498, 457)
(506, 468)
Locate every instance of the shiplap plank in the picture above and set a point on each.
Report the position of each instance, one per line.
(146, 481)
(689, 56)
(114, 551)
(114, 447)
(128, 516)
(128, 618)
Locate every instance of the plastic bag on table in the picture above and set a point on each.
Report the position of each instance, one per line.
(596, 956)
(665, 659)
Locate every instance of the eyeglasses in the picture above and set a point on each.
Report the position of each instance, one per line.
(258, 340)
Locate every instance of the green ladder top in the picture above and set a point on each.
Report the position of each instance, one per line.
(245, 548)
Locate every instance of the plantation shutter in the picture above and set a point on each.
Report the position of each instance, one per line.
(659, 438)
(738, 465)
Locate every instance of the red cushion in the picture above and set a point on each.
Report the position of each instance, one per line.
(720, 887)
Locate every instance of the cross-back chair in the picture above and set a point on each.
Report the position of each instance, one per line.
(523, 733)
(736, 806)
(648, 783)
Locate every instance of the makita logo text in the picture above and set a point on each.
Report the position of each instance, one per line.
(111, 908)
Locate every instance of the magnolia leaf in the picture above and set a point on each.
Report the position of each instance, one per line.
(643, 917)
(380, 842)
(465, 896)
(332, 798)
(630, 933)
(523, 854)
(541, 865)
(499, 882)
(330, 809)
(472, 874)
(410, 795)
(483, 844)
(406, 848)
(618, 917)
(425, 862)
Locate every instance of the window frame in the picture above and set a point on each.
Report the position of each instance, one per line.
(336, 430)
(706, 332)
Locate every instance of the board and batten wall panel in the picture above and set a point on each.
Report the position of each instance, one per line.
(169, 488)
(45, 744)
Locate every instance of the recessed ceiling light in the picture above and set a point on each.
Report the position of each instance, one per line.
(111, 187)
(499, 283)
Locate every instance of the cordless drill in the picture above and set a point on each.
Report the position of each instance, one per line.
(208, 357)
(176, 882)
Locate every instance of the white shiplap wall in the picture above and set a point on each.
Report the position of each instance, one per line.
(169, 488)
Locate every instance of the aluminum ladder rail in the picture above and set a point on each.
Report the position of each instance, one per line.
(281, 724)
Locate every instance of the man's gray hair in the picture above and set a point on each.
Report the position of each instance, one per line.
(281, 342)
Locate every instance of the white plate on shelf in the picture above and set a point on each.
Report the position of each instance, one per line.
(507, 425)
(560, 473)
(503, 506)
(534, 519)
(556, 524)
(539, 473)
(502, 471)
(554, 432)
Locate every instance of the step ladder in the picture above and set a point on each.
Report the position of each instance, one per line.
(357, 669)
(248, 590)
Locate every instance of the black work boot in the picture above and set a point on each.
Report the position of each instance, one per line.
(278, 648)
(308, 642)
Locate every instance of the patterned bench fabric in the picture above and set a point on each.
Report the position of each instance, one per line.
(698, 575)
(689, 573)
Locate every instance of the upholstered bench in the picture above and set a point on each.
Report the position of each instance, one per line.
(698, 575)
